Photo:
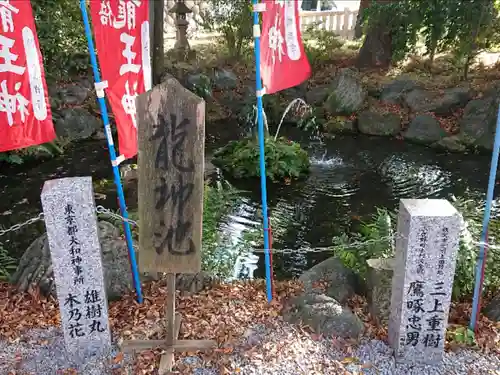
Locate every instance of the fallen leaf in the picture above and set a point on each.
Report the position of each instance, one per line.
(118, 358)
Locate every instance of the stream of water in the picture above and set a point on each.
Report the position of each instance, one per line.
(350, 177)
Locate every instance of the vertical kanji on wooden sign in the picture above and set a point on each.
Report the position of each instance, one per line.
(121, 29)
(25, 116)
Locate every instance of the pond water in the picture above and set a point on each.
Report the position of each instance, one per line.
(350, 177)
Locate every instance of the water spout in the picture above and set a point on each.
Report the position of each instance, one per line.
(301, 104)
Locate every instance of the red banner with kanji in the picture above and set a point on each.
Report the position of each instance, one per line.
(284, 62)
(121, 30)
(25, 116)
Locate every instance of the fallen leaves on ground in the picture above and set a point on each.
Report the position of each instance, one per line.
(223, 313)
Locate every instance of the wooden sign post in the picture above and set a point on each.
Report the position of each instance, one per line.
(171, 130)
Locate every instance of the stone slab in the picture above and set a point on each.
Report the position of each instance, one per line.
(426, 249)
(71, 223)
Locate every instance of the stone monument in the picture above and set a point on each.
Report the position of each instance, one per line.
(424, 268)
(71, 223)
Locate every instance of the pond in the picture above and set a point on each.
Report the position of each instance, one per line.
(350, 177)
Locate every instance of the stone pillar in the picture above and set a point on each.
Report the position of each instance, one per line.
(71, 222)
(426, 249)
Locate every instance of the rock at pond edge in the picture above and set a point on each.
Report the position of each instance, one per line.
(341, 283)
(35, 267)
(324, 315)
(379, 289)
(373, 123)
(424, 129)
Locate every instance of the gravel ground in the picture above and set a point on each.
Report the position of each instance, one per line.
(281, 349)
(284, 350)
(41, 352)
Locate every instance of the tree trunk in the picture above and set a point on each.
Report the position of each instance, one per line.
(158, 44)
(358, 30)
(376, 51)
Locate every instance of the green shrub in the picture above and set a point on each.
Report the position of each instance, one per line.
(7, 264)
(233, 19)
(59, 25)
(376, 234)
(284, 159)
(320, 44)
(46, 150)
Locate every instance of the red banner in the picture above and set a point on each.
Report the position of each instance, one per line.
(121, 30)
(25, 116)
(283, 63)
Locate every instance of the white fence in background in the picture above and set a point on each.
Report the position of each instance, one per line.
(341, 22)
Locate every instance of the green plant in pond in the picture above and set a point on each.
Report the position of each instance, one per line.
(313, 121)
(284, 159)
(377, 236)
(379, 244)
(8, 264)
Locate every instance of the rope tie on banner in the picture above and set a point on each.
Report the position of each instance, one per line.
(118, 160)
(99, 88)
(259, 7)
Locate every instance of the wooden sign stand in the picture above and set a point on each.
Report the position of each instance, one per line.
(171, 342)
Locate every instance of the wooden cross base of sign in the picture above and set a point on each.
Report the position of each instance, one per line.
(171, 343)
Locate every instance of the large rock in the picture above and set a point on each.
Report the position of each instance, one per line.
(394, 92)
(346, 94)
(382, 124)
(453, 143)
(317, 95)
(492, 310)
(299, 91)
(442, 103)
(477, 126)
(35, 267)
(225, 79)
(75, 123)
(341, 283)
(379, 288)
(324, 315)
(424, 129)
(73, 94)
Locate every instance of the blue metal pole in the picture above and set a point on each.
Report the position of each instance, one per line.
(478, 287)
(112, 154)
(260, 123)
